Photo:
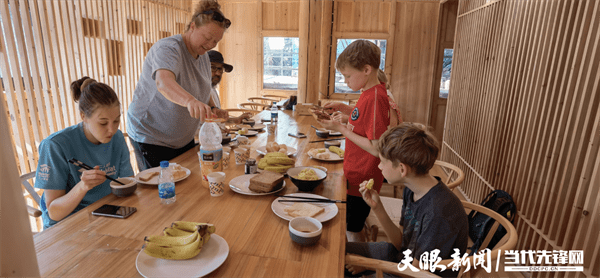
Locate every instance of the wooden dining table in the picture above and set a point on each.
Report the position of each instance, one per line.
(84, 245)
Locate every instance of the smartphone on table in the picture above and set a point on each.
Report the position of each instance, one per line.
(114, 211)
(297, 135)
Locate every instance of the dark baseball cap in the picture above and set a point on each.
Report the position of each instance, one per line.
(216, 57)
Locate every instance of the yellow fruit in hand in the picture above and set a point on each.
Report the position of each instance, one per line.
(370, 184)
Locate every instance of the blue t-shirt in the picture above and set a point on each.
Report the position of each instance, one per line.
(55, 172)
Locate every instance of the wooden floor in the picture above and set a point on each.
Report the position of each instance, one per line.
(389, 192)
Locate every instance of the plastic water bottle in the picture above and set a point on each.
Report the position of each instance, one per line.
(166, 185)
(274, 112)
(211, 150)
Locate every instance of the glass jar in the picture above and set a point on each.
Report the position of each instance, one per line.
(251, 166)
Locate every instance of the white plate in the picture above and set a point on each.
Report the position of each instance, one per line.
(213, 254)
(263, 150)
(331, 209)
(333, 156)
(257, 127)
(241, 183)
(154, 180)
(250, 133)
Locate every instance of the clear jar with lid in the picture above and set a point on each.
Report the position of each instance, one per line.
(251, 166)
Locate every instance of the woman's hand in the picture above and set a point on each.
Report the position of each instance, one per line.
(92, 178)
(370, 196)
(222, 114)
(199, 109)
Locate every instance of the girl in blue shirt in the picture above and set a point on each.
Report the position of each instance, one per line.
(96, 141)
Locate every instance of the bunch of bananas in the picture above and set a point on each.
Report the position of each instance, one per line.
(336, 150)
(183, 240)
(276, 162)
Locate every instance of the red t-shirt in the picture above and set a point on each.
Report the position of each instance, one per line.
(360, 165)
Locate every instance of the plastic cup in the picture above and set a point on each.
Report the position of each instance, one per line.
(271, 128)
(215, 183)
(243, 140)
(248, 150)
(227, 149)
(226, 156)
(240, 156)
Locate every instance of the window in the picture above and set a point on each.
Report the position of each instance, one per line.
(446, 68)
(280, 63)
(340, 84)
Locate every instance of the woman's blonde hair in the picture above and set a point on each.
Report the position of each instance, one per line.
(200, 17)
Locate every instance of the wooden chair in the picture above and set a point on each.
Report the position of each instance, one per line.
(450, 174)
(239, 111)
(277, 97)
(254, 106)
(263, 100)
(508, 242)
(34, 195)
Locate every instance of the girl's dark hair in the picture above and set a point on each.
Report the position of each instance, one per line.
(200, 19)
(91, 94)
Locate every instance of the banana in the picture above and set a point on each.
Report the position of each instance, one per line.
(183, 252)
(275, 154)
(336, 150)
(172, 240)
(193, 226)
(280, 160)
(278, 168)
(175, 232)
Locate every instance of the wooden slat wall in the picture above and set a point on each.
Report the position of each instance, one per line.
(44, 49)
(523, 117)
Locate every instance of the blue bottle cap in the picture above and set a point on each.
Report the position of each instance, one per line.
(164, 164)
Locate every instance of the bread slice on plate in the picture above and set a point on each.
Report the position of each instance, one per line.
(266, 181)
(303, 210)
(148, 176)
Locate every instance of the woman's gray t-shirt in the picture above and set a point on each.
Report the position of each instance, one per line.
(152, 118)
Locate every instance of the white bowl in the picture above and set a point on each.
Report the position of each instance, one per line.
(305, 230)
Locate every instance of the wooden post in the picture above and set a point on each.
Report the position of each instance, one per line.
(326, 36)
(303, 27)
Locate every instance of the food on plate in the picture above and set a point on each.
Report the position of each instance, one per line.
(370, 184)
(336, 150)
(303, 209)
(266, 181)
(274, 147)
(307, 175)
(178, 172)
(325, 155)
(276, 162)
(243, 131)
(148, 176)
(183, 240)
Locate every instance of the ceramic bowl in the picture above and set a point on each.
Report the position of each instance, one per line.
(305, 230)
(322, 133)
(304, 185)
(123, 190)
(249, 122)
(226, 139)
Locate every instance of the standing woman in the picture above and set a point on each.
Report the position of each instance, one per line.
(96, 140)
(172, 95)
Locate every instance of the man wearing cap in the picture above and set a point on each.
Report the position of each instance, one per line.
(217, 66)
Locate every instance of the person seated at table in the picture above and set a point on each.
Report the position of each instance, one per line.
(218, 66)
(95, 141)
(432, 216)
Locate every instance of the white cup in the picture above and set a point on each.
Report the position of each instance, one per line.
(243, 140)
(240, 156)
(226, 156)
(215, 183)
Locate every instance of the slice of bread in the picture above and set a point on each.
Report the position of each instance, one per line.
(303, 209)
(266, 181)
(148, 176)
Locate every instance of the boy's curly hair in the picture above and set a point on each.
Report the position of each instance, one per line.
(359, 54)
(410, 144)
(200, 19)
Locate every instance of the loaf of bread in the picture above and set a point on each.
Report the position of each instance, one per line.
(148, 176)
(266, 181)
(303, 210)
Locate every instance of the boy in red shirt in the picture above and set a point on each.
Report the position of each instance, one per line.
(359, 64)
